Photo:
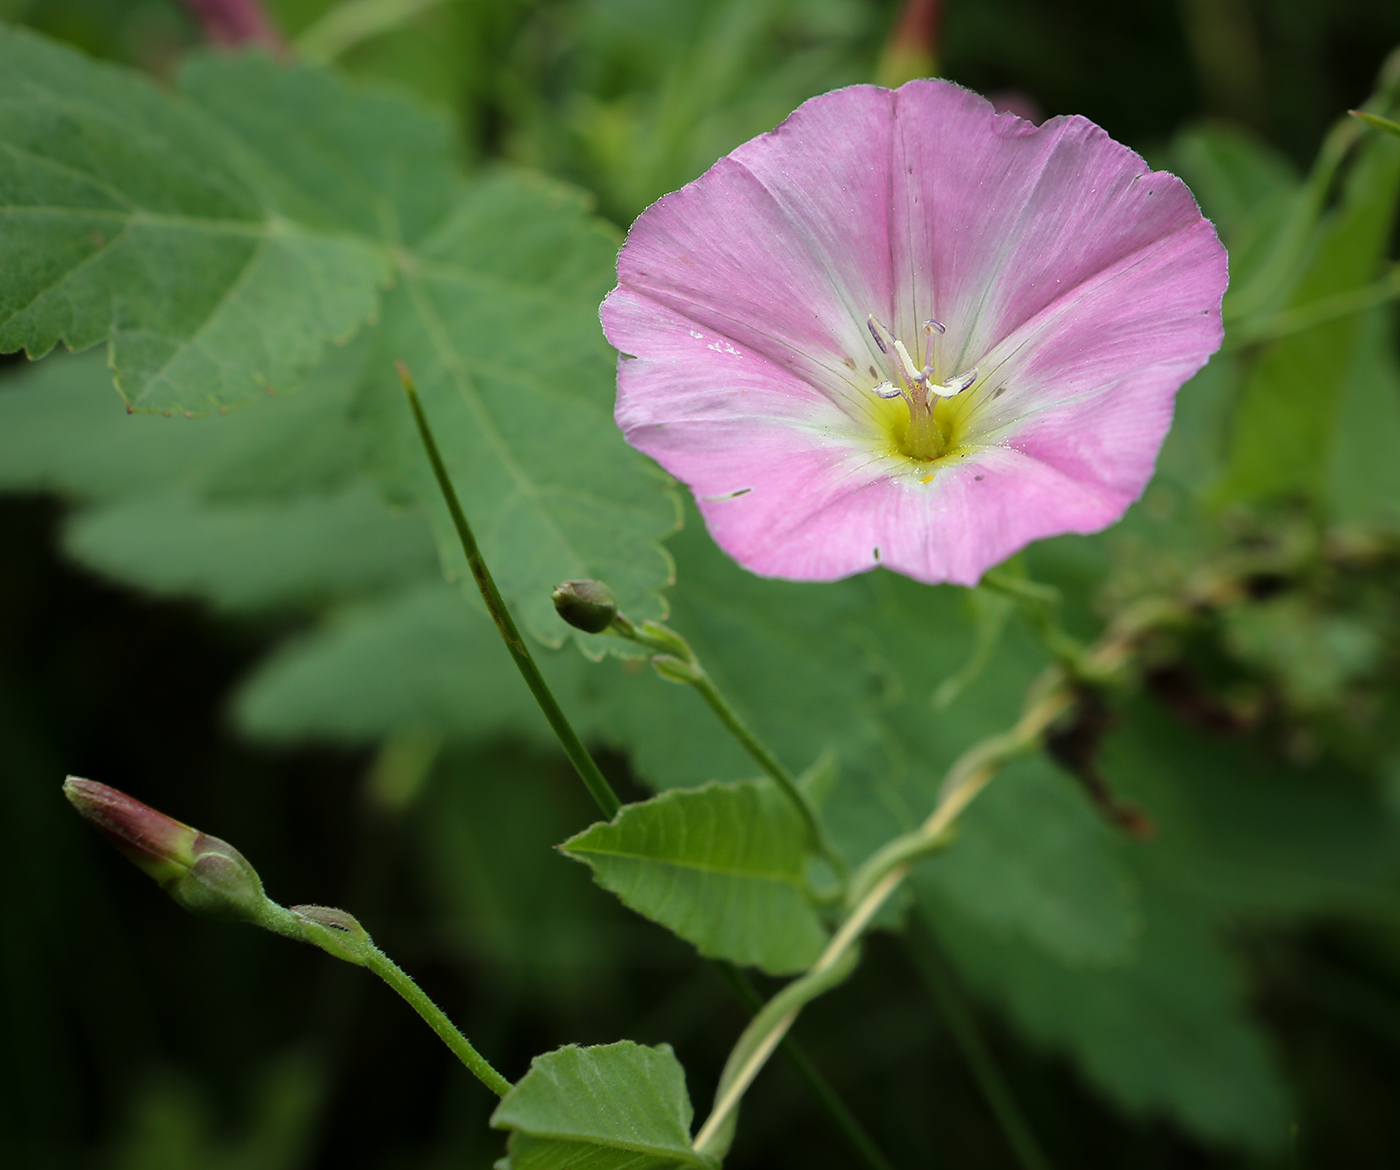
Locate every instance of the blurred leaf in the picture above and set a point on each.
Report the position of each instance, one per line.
(1376, 122)
(1245, 187)
(1288, 412)
(426, 655)
(1364, 473)
(305, 550)
(541, 934)
(135, 218)
(613, 1107)
(495, 312)
(173, 1126)
(1032, 858)
(62, 430)
(722, 865)
(1237, 835)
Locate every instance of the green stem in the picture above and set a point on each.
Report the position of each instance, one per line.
(995, 1091)
(380, 963)
(583, 763)
(771, 765)
(860, 1141)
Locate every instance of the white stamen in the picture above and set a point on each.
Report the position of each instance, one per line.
(879, 333)
(911, 371)
(955, 386)
(888, 390)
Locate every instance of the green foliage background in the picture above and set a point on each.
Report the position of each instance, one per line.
(244, 618)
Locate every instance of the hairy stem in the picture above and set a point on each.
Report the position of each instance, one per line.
(597, 784)
(380, 963)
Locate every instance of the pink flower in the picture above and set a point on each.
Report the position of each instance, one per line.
(902, 329)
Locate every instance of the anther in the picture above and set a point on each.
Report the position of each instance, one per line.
(888, 390)
(879, 333)
(956, 385)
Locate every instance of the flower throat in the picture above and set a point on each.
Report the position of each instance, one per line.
(927, 434)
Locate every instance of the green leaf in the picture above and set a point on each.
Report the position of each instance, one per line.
(1364, 475)
(617, 1106)
(497, 318)
(1289, 409)
(723, 866)
(254, 555)
(1376, 122)
(1238, 837)
(424, 656)
(495, 311)
(134, 218)
(1032, 858)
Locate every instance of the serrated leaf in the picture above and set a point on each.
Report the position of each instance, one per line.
(134, 218)
(496, 311)
(616, 1106)
(497, 321)
(723, 866)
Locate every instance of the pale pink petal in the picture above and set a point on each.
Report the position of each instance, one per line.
(1000, 218)
(783, 246)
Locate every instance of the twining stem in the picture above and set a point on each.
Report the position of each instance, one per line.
(871, 886)
(861, 1143)
(677, 661)
(597, 784)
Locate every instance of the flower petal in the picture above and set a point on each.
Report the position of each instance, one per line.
(998, 218)
(782, 246)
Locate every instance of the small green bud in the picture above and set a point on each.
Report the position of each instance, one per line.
(203, 874)
(586, 605)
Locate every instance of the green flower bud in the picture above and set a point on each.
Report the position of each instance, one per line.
(586, 605)
(203, 874)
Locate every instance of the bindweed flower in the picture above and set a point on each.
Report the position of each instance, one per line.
(904, 330)
(202, 873)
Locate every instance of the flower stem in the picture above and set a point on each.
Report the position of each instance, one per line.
(389, 971)
(597, 784)
(870, 887)
(678, 662)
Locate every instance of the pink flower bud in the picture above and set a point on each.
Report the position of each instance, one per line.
(203, 874)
